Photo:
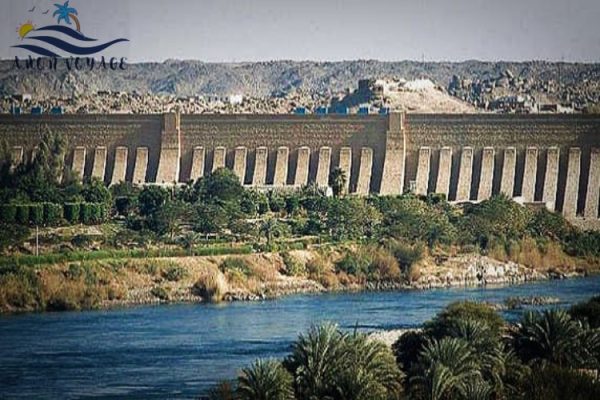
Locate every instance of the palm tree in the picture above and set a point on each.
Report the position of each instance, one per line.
(552, 336)
(315, 361)
(64, 12)
(444, 368)
(337, 181)
(265, 380)
(271, 228)
(189, 241)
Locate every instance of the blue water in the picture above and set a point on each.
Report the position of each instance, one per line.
(179, 351)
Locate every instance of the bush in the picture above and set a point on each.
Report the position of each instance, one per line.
(72, 212)
(588, 311)
(12, 235)
(85, 210)
(36, 214)
(407, 254)
(443, 323)
(124, 205)
(8, 213)
(293, 267)
(354, 263)
(22, 214)
(53, 214)
(211, 286)
(160, 293)
(235, 264)
(552, 382)
(174, 273)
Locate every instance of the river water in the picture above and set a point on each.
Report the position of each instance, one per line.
(178, 351)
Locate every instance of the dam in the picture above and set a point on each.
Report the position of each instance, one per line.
(548, 159)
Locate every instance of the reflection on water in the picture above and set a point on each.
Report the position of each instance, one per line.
(179, 351)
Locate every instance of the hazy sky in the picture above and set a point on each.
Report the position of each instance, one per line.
(257, 30)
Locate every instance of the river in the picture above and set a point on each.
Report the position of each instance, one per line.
(178, 351)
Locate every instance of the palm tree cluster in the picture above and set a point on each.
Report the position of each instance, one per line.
(466, 352)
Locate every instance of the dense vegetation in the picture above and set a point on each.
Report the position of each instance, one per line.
(465, 352)
(378, 240)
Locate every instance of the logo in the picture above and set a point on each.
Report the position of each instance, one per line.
(63, 39)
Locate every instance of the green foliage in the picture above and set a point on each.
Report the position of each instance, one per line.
(8, 213)
(95, 191)
(151, 199)
(337, 181)
(160, 293)
(235, 264)
(85, 210)
(72, 212)
(12, 235)
(584, 244)
(552, 382)
(587, 311)
(53, 213)
(22, 214)
(498, 218)
(174, 273)
(293, 266)
(550, 225)
(442, 324)
(221, 185)
(125, 205)
(327, 363)
(409, 218)
(36, 214)
(276, 202)
(351, 218)
(407, 254)
(354, 263)
(553, 336)
(265, 380)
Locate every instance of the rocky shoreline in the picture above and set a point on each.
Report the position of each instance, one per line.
(474, 271)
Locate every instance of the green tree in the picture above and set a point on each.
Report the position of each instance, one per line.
(151, 199)
(271, 228)
(222, 184)
(337, 181)
(265, 380)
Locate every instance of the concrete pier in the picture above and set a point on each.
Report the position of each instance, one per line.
(259, 177)
(445, 167)
(529, 174)
(239, 162)
(423, 166)
(507, 183)
(364, 172)
(281, 166)
(486, 177)
(465, 175)
(141, 165)
(219, 158)
(301, 178)
(322, 179)
(572, 186)
(198, 158)
(120, 167)
(551, 178)
(346, 164)
(593, 187)
(78, 164)
(99, 166)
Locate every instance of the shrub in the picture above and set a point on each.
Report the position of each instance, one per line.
(293, 267)
(211, 286)
(160, 293)
(36, 214)
(174, 273)
(407, 254)
(12, 235)
(316, 268)
(443, 323)
(232, 264)
(8, 213)
(265, 380)
(53, 213)
(85, 210)
(354, 263)
(124, 205)
(72, 212)
(552, 382)
(588, 311)
(384, 266)
(22, 214)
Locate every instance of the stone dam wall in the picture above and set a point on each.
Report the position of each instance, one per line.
(550, 159)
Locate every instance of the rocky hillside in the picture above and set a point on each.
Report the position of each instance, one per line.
(470, 80)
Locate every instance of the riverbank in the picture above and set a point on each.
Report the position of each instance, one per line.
(125, 282)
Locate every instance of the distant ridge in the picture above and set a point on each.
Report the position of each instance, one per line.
(188, 78)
